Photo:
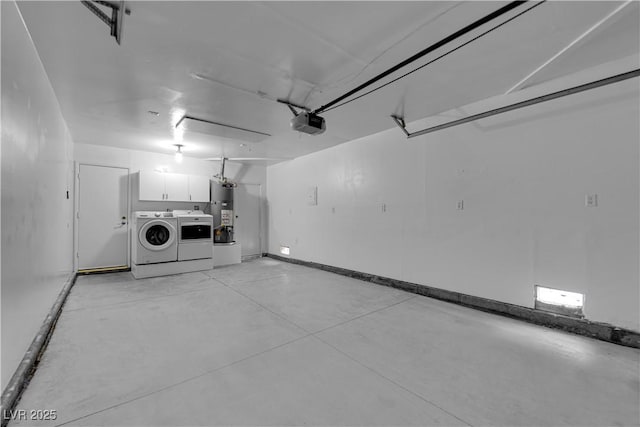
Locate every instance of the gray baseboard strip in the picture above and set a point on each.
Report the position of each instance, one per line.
(251, 257)
(20, 379)
(597, 330)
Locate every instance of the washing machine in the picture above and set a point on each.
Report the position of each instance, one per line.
(154, 238)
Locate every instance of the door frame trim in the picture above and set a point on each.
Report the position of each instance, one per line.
(76, 208)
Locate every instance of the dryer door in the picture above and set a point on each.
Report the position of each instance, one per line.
(157, 235)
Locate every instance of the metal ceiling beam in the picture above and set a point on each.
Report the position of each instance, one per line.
(209, 127)
(544, 98)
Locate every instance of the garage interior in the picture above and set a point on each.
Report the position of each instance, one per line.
(436, 208)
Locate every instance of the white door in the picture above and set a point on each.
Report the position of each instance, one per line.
(246, 203)
(103, 196)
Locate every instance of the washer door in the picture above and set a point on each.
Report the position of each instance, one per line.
(157, 235)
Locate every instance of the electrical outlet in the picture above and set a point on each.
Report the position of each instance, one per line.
(312, 196)
(460, 205)
(591, 200)
(333, 209)
(384, 207)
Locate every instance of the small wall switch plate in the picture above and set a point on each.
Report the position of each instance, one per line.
(312, 196)
(460, 205)
(591, 200)
(333, 209)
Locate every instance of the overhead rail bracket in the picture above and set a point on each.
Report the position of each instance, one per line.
(118, 10)
(292, 106)
(548, 97)
(401, 124)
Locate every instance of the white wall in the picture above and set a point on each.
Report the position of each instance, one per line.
(523, 177)
(135, 161)
(37, 172)
(143, 160)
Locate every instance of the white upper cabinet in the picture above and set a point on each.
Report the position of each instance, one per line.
(199, 188)
(151, 186)
(176, 187)
(173, 187)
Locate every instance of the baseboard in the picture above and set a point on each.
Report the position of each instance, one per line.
(104, 270)
(142, 271)
(597, 330)
(21, 377)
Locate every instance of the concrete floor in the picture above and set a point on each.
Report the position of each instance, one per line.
(272, 343)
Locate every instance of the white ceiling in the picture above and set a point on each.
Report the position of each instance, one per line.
(228, 62)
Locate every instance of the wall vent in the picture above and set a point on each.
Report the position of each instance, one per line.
(559, 301)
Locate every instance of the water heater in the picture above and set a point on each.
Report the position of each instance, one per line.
(222, 211)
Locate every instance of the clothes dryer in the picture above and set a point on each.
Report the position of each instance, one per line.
(195, 236)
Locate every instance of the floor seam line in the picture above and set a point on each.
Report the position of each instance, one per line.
(256, 280)
(195, 377)
(321, 330)
(286, 273)
(365, 314)
(267, 308)
(390, 380)
(145, 299)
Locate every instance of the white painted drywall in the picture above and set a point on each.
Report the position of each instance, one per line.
(37, 171)
(136, 160)
(523, 177)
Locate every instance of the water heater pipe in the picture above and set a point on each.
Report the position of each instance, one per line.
(224, 159)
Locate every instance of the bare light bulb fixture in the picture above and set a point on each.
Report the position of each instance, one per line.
(179, 153)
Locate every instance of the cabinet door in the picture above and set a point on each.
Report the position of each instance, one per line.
(177, 187)
(151, 186)
(199, 188)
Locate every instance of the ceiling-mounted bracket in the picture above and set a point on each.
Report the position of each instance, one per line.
(293, 107)
(118, 10)
(401, 124)
(293, 110)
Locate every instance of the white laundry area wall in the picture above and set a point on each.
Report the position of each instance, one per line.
(143, 160)
(136, 160)
(389, 205)
(37, 172)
